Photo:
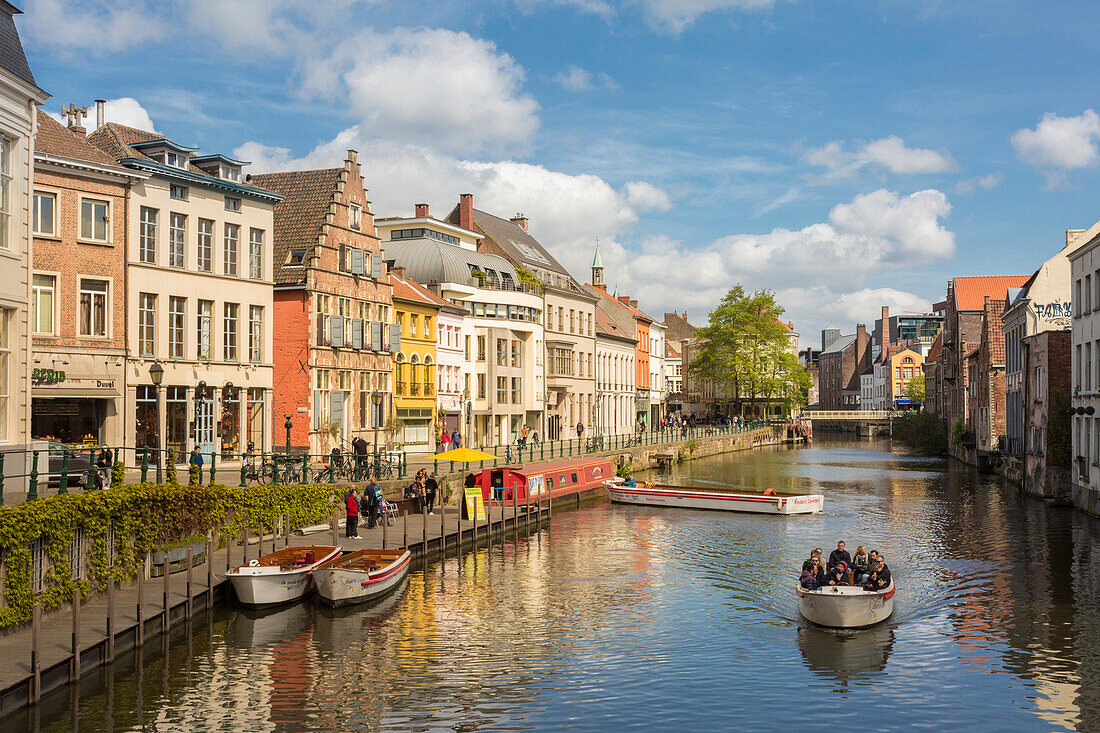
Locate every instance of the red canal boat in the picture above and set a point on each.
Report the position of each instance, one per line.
(556, 479)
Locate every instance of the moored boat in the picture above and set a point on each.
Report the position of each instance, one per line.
(845, 606)
(722, 499)
(279, 577)
(361, 576)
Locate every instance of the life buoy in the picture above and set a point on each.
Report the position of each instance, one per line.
(769, 492)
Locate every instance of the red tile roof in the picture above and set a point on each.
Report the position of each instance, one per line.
(970, 292)
(671, 351)
(299, 216)
(53, 138)
(936, 349)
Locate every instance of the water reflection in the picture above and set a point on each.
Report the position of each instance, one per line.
(846, 656)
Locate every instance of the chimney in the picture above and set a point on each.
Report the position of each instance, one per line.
(398, 271)
(466, 211)
(100, 113)
(422, 211)
(520, 220)
(625, 300)
(633, 303)
(884, 329)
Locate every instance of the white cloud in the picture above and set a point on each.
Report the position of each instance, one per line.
(889, 153)
(647, 197)
(576, 79)
(911, 222)
(676, 15)
(92, 28)
(124, 110)
(1060, 143)
(243, 25)
(427, 86)
(986, 182)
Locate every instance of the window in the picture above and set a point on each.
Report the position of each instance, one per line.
(355, 216)
(229, 342)
(93, 220)
(467, 344)
(147, 236)
(204, 339)
(516, 390)
(206, 245)
(502, 352)
(296, 257)
(177, 318)
(413, 321)
(177, 239)
(256, 333)
(1087, 292)
(176, 191)
(517, 353)
(232, 203)
(572, 321)
(45, 210)
(93, 307)
(5, 368)
(502, 390)
(1077, 298)
(481, 348)
(5, 193)
(481, 386)
(147, 324)
(428, 327)
(44, 290)
(256, 254)
(232, 236)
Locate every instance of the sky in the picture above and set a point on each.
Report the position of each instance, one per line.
(845, 155)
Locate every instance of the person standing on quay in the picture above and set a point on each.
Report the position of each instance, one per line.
(351, 531)
(456, 438)
(445, 440)
(580, 430)
(431, 488)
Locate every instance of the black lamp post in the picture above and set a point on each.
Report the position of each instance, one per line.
(376, 399)
(156, 376)
(288, 425)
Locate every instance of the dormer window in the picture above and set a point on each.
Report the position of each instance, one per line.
(175, 159)
(231, 173)
(296, 257)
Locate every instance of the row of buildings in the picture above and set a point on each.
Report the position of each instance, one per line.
(158, 296)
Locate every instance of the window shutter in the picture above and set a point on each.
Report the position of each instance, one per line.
(337, 330)
(395, 337)
(336, 407)
(358, 266)
(376, 335)
(377, 267)
(316, 409)
(357, 334)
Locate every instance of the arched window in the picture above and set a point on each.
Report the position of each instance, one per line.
(399, 373)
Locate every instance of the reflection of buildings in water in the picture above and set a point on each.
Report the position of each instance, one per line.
(846, 655)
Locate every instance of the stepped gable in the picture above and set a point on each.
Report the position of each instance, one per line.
(300, 215)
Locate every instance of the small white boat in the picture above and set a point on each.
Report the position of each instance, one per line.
(690, 497)
(280, 577)
(361, 576)
(845, 606)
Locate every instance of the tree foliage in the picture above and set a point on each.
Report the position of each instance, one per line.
(746, 351)
(914, 388)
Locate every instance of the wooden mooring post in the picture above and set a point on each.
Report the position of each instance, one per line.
(405, 536)
(139, 639)
(190, 593)
(110, 620)
(36, 655)
(167, 600)
(74, 669)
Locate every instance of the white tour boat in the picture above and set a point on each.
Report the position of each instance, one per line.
(730, 500)
(282, 576)
(845, 606)
(361, 576)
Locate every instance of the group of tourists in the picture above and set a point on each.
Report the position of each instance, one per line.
(369, 504)
(866, 569)
(423, 491)
(448, 441)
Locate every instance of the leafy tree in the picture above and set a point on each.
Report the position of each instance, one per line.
(914, 388)
(746, 351)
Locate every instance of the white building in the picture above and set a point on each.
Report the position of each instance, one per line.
(658, 388)
(1084, 262)
(451, 367)
(867, 388)
(502, 335)
(199, 298)
(615, 381)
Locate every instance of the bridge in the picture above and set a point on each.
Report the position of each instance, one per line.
(882, 417)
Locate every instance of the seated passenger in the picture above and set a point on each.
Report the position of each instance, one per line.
(879, 577)
(861, 564)
(839, 555)
(838, 575)
(807, 580)
(630, 481)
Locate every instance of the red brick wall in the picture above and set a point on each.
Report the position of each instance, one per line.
(291, 377)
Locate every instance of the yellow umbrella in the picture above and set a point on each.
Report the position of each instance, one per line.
(463, 455)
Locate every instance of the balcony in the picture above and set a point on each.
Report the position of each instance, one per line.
(414, 389)
(401, 389)
(429, 389)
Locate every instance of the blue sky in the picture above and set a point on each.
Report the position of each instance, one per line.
(844, 154)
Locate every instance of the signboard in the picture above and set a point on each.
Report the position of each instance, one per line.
(536, 485)
(475, 505)
(47, 376)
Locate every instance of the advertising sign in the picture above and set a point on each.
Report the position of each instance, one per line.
(475, 505)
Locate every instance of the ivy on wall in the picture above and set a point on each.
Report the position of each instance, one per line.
(144, 517)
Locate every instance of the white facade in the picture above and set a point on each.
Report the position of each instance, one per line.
(1085, 380)
(615, 382)
(450, 368)
(658, 389)
(867, 382)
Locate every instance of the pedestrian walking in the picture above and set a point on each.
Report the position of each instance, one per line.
(456, 438)
(103, 464)
(580, 430)
(445, 439)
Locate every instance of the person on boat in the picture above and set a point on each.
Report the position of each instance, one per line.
(351, 530)
(861, 564)
(839, 555)
(808, 580)
(431, 488)
(838, 575)
(879, 578)
(630, 481)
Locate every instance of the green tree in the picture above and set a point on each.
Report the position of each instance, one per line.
(746, 351)
(914, 388)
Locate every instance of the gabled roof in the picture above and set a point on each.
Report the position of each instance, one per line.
(671, 352)
(970, 292)
(607, 328)
(840, 344)
(632, 310)
(511, 237)
(299, 216)
(53, 138)
(12, 56)
(405, 288)
(936, 349)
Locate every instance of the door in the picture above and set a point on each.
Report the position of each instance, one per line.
(204, 427)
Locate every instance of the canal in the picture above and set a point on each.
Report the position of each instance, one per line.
(615, 618)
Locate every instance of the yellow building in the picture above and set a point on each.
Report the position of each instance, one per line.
(416, 310)
(904, 365)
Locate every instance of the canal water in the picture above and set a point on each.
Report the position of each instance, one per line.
(632, 618)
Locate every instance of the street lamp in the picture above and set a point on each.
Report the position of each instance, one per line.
(376, 400)
(288, 425)
(156, 376)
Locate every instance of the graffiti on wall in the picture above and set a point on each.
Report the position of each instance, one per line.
(1056, 312)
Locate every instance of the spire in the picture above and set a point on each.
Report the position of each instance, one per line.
(597, 267)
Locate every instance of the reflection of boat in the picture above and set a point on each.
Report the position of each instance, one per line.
(690, 497)
(279, 577)
(361, 576)
(846, 654)
(252, 627)
(368, 616)
(845, 606)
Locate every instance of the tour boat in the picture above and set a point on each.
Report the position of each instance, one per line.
(730, 500)
(845, 606)
(282, 576)
(361, 576)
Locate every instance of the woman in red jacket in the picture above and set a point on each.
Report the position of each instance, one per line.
(352, 528)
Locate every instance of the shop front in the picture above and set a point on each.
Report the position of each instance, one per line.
(414, 429)
(77, 400)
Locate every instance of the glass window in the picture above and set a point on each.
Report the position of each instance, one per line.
(355, 216)
(256, 254)
(93, 307)
(176, 323)
(5, 369)
(256, 333)
(44, 291)
(147, 236)
(229, 342)
(232, 236)
(93, 220)
(256, 417)
(5, 193)
(502, 352)
(481, 348)
(177, 239)
(502, 390)
(232, 203)
(45, 210)
(176, 191)
(205, 336)
(481, 386)
(516, 390)
(147, 324)
(206, 245)
(517, 353)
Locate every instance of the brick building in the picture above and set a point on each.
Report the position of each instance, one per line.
(333, 304)
(79, 287)
(986, 406)
(840, 366)
(933, 377)
(1046, 393)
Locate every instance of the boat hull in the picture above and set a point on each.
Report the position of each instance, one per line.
(344, 586)
(720, 501)
(846, 607)
(266, 586)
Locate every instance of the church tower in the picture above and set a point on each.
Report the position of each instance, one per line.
(597, 268)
